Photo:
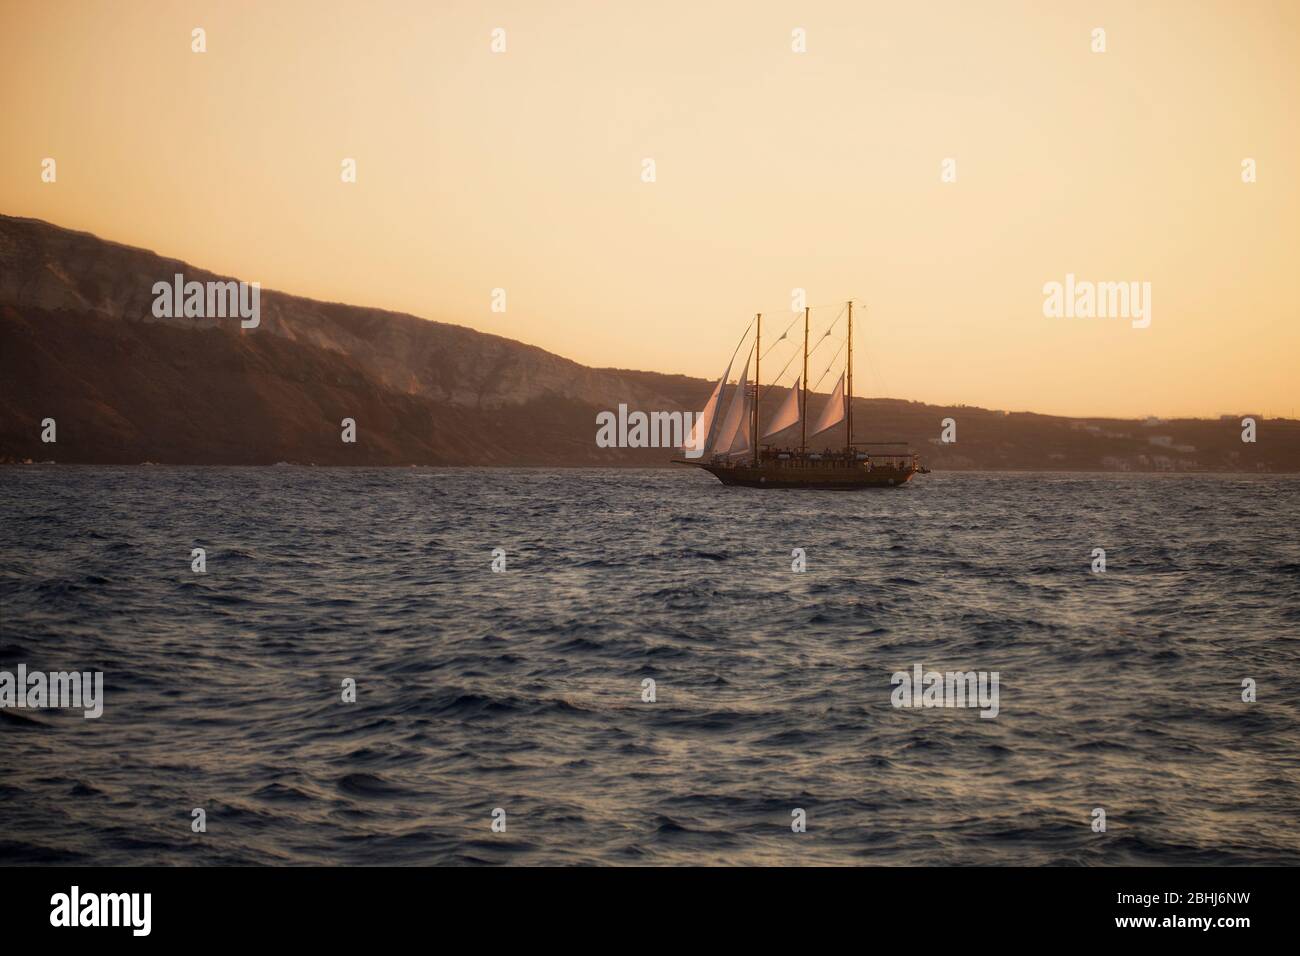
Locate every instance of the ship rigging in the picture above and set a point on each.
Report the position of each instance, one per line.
(731, 446)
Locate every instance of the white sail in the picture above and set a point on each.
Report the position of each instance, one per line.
(740, 444)
(787, 414)
(698, 439)
(735, 418)
(832, 412)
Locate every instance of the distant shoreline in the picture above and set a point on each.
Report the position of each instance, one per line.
(348, 386)
(631, 467)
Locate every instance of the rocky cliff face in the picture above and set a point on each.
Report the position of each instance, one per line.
(45, 267)
(126, 392)
(79, 344)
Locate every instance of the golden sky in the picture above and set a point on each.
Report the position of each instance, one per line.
(775, 170)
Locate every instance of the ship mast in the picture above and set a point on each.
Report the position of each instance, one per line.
(848, 408)
(758, 336)
(803, 384)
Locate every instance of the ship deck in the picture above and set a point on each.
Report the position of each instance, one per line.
(826, 472)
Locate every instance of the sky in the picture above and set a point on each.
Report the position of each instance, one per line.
(774, 171)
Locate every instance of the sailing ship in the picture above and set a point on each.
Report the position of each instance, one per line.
(731, 446)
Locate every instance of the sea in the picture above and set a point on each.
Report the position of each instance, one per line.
(643, 667)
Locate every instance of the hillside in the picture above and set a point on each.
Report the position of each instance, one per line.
(79, 343)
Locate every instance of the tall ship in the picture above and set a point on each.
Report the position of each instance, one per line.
(734, 446)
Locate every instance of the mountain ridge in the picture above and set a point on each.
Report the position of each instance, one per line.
(79, 343)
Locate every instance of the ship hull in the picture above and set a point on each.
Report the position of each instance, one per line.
(823, 479)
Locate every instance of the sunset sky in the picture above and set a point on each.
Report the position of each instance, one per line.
(775, 170)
